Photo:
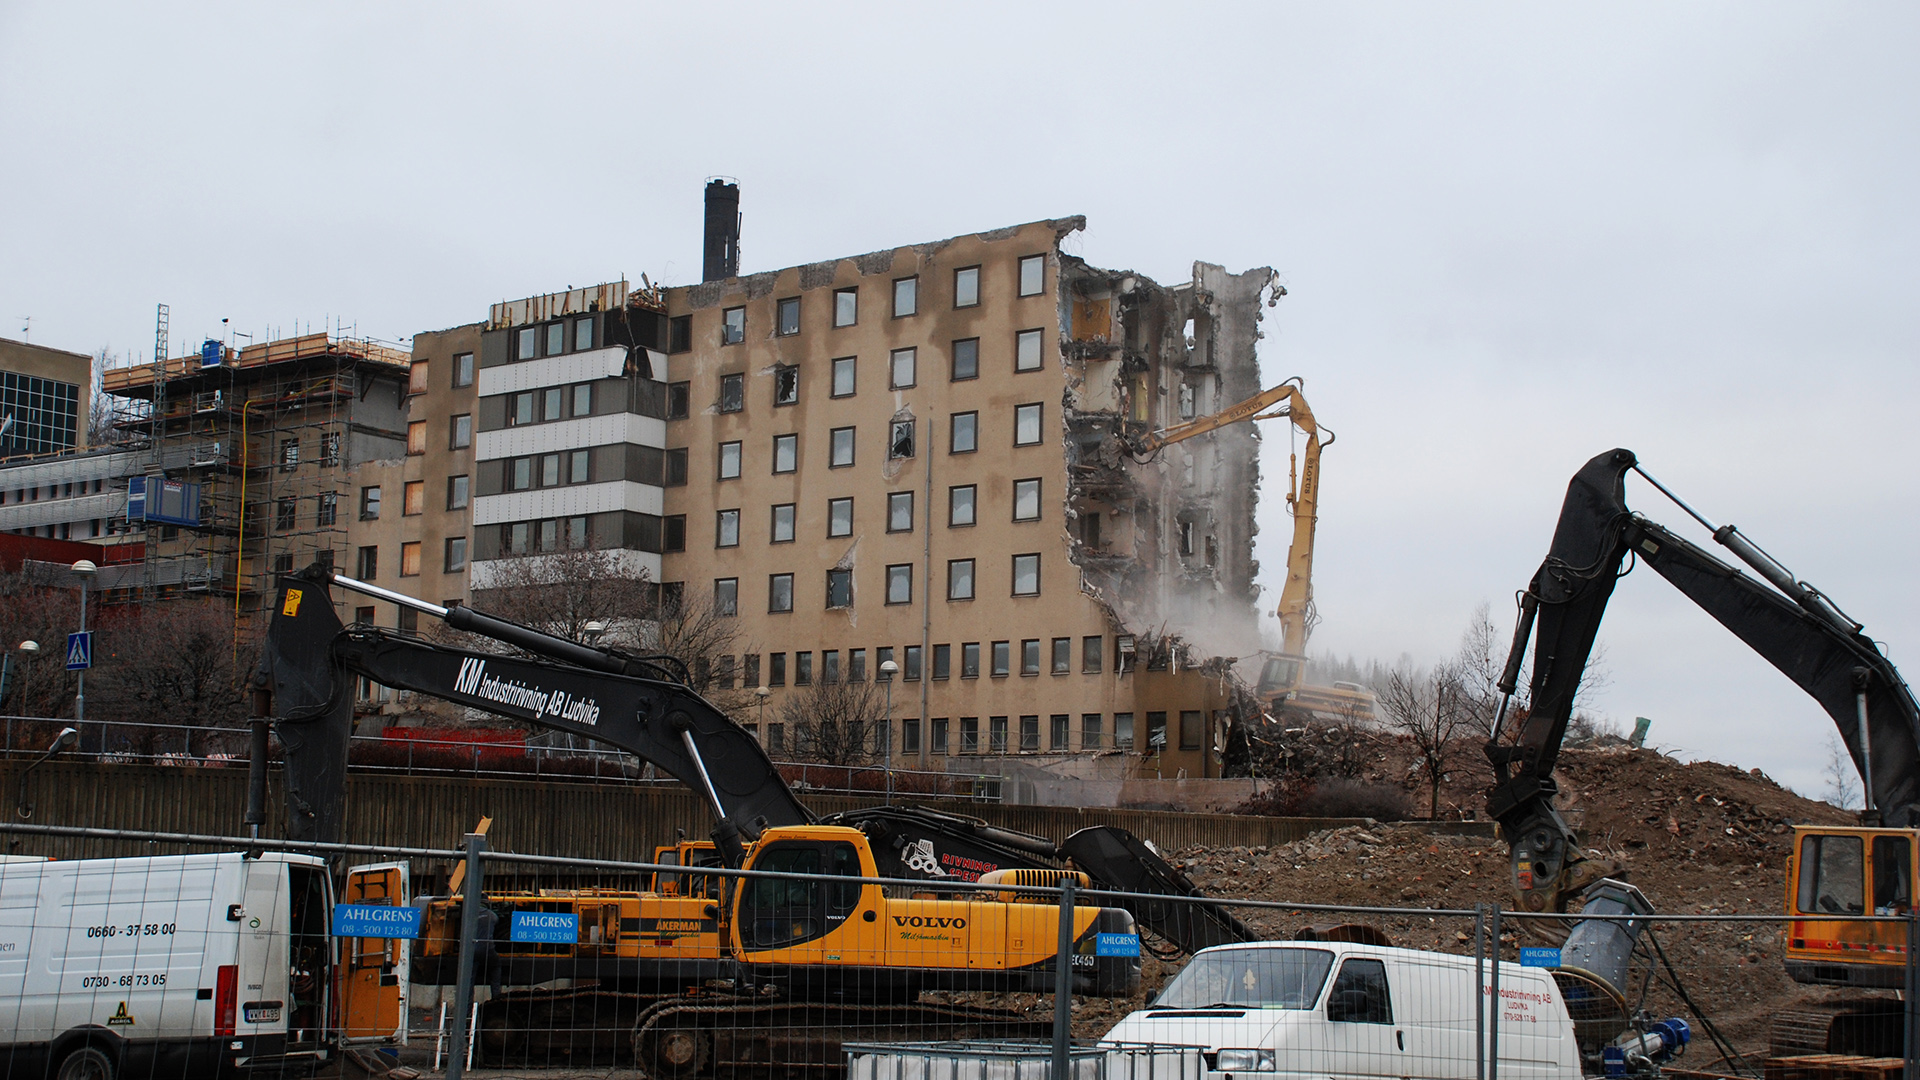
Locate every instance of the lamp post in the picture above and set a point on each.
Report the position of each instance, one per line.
(67, 737)
(84, 570)
(760, 729)
(887, 669)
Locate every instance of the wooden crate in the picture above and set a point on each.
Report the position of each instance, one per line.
(1834, 1067)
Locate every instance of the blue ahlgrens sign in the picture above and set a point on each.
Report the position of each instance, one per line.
(546, 927)
(375, 921)
(1116, 945)
(1539, 957)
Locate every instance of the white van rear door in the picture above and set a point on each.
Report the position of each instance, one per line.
(373, 971)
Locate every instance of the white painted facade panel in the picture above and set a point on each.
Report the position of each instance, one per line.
(553, 371)
(571, 435)
(569, 501)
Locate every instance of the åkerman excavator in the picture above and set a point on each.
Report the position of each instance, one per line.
(1834, 871)
(808, 948)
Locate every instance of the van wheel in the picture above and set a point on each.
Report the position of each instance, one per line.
(86, 1063)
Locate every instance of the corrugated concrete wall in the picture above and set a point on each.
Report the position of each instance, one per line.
(608, 821)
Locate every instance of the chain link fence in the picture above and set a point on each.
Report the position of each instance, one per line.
(286, 956)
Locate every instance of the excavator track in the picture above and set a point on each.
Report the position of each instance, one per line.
(1867, 1027)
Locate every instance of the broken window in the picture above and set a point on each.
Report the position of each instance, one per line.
(369, 563)
(1026, 500)
(1026, 424)
(1213, 550)
(733, 392)
(960, 587)
(1186, 538)
(1156, 731)
(733, 326)
(369, 504)
(965, 436)
(966, 286)
(900, 444)
(726, 532)
(960, 509)
(843, 372)
(786, 384)
(786, 453)
(902, 366)
(1090, 528)
(1026, 350)
(900, 511)
(787, 321)
(839, 590)
(846, 307)
(330, 507)
(1122, 662)
(289, 454)
(1033, 271)
(839, 517)
(1186, 401)
(330, 449)
(906, 296)
(841, 448)
(678, 400)
(680, 334)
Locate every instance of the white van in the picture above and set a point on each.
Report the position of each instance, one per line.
(1345, 1010)
(187, 966)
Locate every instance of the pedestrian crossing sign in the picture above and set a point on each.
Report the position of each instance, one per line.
(80, 651)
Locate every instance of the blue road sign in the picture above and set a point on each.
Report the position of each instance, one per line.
(1116, 945)
(546, 927)
(1546, 958)
(80, 651)
(375, 920)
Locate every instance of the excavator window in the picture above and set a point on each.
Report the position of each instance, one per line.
(1832, 875)
(844, 860)
(784, 911)
(1892, 875)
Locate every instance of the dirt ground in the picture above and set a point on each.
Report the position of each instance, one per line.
(1697, 838)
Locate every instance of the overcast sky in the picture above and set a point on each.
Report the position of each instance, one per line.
(1514, 235)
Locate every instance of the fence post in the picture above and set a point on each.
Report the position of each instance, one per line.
(1493, 1028)
(1912, 1001)
(473, 896)
(1063, 983)
(1480, 991)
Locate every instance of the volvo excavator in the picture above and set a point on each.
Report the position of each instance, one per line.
(794, 957)
(1282, 687)
(1833, 871)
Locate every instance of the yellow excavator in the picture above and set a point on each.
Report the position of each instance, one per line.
(1282, 687)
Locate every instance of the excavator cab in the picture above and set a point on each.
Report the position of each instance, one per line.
(1842, 871)
(701, 853)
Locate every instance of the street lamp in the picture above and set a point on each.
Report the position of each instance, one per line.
(67, 737)
(760, 729)
(593, 631)
(84, 570)
(887, 668)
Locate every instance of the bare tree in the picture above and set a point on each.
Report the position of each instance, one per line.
(172, 663)
(560, 592)
(105, 411)
(838, 723)
(1478, 665)
(1431, 709)
(1843, 780)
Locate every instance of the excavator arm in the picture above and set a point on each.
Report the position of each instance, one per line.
(310, 660)
(1791, 624)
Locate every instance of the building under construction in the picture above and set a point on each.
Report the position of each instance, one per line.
(249, 458)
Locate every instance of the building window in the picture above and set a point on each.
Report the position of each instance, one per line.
(456, 555)
(910, 672)
(330, 449)
(783, 523)
(369, 504)
(520, 409)
(786, 453)
(733, 393)
(1190, 729)
(964, 433)
(1123, 731)
(518, 538)
(461, 431)
(556, 338)
(843, 376)
(1062, 655)
(1090, 734)
(526, 340)
(780, 599)
(1186, 538)
(673, 532)
(942, 661)
(996, 734)
(583, 400)
(787, 317)
(1029, 734)
(959, 579)
(680, 334)
(900, 442)
(369, 565)
(937, 735)
(549, 470)
(969, 735)
(1002, 659)
(966, 286)
(802, 669)
(1026, 350)
(960, 505)
(1026, 575)
(283, 564)
(846, 307)
(410, 559)
(900, 583)
(289, 454)
(329, 508)
(551, 401)
(675, 467)
(970, 660)
(1033, 272)
(1122, 656)
(840, 454)
(417, 437)
(733, 326)
(777, 668)
(726, 531)
(1091, 647)
(906, 296)
(413, 498)
(900, 511)
(1026, 500)
(284, 514)
(902, 363)
(462, 369)
(786, 384)
(839, 588)
(729, 460)
(579, 466)
(726, 596)
(830, 666)
(519, 474)
(910, 736)
(1026, 424)
(549, 535)
(839, 517)
(1156, 732)
(1030, 656)
(417, 377)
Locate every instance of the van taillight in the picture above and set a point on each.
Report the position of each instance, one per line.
(226, 999)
